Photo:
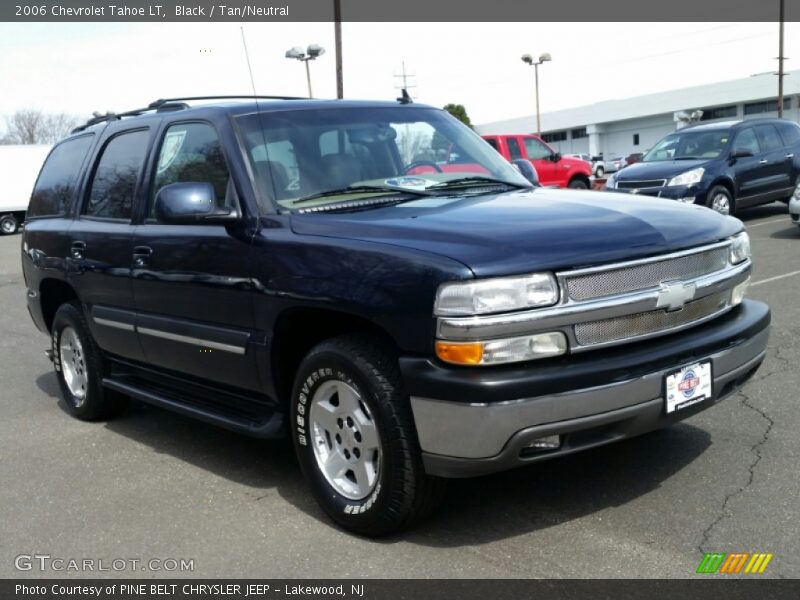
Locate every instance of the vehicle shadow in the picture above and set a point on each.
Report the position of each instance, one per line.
(790, 233)
(776, 209)
(473, 511)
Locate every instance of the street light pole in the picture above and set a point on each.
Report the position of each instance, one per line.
(308, 78)
(337, 33)
(528, 59)
(312, 52)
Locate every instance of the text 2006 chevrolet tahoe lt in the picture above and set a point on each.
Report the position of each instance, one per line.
(376, 281)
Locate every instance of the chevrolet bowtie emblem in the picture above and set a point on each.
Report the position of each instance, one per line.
(673, 295)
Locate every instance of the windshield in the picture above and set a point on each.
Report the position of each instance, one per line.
(306, 158)
(686, 145)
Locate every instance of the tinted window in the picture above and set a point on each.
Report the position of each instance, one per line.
(768, 137)
(114, 182)
(56, 183)
(746, 140)
(493, 143)
(536, 149)
(790, 133)
(191, 152)
(513, 148)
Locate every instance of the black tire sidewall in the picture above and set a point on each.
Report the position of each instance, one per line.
(11, 219)
(365, 515)
(577, 184)
(70, 315)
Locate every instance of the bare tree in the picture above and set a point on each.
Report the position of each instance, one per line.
(33, 126)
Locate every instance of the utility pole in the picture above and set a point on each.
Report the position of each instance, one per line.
(780, 59)
(337, 30)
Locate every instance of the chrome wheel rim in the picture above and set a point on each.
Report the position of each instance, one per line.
(721, 204)
(8, 226)
(73, 365)
(345, 440)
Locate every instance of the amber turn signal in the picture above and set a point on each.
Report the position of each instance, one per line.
(460, 354)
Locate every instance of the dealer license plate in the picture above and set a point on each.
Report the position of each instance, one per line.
(688, 386)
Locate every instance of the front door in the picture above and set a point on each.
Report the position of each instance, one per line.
(750, 171)
(540, 155)
(191, 282)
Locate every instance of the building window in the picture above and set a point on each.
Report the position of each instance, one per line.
(579, 133)
(635, 139)
(756, 108)
(720, 112)
(557, 136)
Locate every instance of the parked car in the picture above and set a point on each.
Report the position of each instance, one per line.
(272, 268)
(553, 169)
(19, 166)
(726, 166)
(633, 158)
(595, 163)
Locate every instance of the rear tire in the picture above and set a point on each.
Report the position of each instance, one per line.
(79, 367)
(8, 224)
(599, 172)
(355, 437)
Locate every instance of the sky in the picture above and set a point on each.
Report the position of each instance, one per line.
(81, 68)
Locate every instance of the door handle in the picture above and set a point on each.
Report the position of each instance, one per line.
(763, 161)
(140, 255)
(77, 249)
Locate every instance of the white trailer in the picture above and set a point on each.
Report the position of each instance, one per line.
(19, 168)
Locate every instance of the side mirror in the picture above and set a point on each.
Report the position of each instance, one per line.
(741, 153)
(190, 202)
(528, 170)
(555, 156)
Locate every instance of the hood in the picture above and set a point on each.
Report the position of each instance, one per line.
(660, 169)
(529, 230)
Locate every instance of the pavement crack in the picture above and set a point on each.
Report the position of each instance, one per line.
(755, 449)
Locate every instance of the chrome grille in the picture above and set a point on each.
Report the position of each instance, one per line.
(649, 183)
(647, 323)
(646, 275)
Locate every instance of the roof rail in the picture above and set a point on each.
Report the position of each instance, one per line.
(170, 104)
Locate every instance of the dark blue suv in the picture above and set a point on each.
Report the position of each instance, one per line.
(726, 166)
(373, 280)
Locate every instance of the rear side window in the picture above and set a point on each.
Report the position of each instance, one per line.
(191, 152)
(514, 151)
(768, 137)
(790, 133)
(56, 184)
(114, 182)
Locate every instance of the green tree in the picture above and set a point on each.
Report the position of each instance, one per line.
(459, 112)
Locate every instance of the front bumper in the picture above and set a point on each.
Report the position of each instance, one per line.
(472, 422)
(672, 192)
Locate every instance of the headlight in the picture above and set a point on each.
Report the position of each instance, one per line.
(739, 250)
(688, 178)
(496, 352)
(500, 294)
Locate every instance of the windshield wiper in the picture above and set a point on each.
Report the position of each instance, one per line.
(358, 189)
(475, 180)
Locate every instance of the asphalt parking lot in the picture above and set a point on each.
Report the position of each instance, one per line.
(155, 485)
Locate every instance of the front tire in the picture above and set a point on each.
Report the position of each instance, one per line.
(79, 367)
(578, 184)
(355, 437)
(719, 199)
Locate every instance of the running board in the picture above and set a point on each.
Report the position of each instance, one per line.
(236, 414)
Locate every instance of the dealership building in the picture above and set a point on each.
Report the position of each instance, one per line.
(620, 127)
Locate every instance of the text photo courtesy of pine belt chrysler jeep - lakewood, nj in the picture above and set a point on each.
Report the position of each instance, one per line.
(375, 281)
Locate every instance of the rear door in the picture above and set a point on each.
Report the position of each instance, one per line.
(191, 282)
(778, 170)
(101, 241)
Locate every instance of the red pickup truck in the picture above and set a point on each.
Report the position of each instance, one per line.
(553, 169)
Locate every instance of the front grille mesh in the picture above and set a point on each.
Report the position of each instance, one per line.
(654, 321)
(645, 276)
(632, 185)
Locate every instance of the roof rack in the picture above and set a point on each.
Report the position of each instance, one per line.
(168, 105)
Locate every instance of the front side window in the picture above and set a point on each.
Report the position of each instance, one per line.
(537, 150)
(56, 183)
(114, 182)
(298, 155)
(192, 153)
(746, 142)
